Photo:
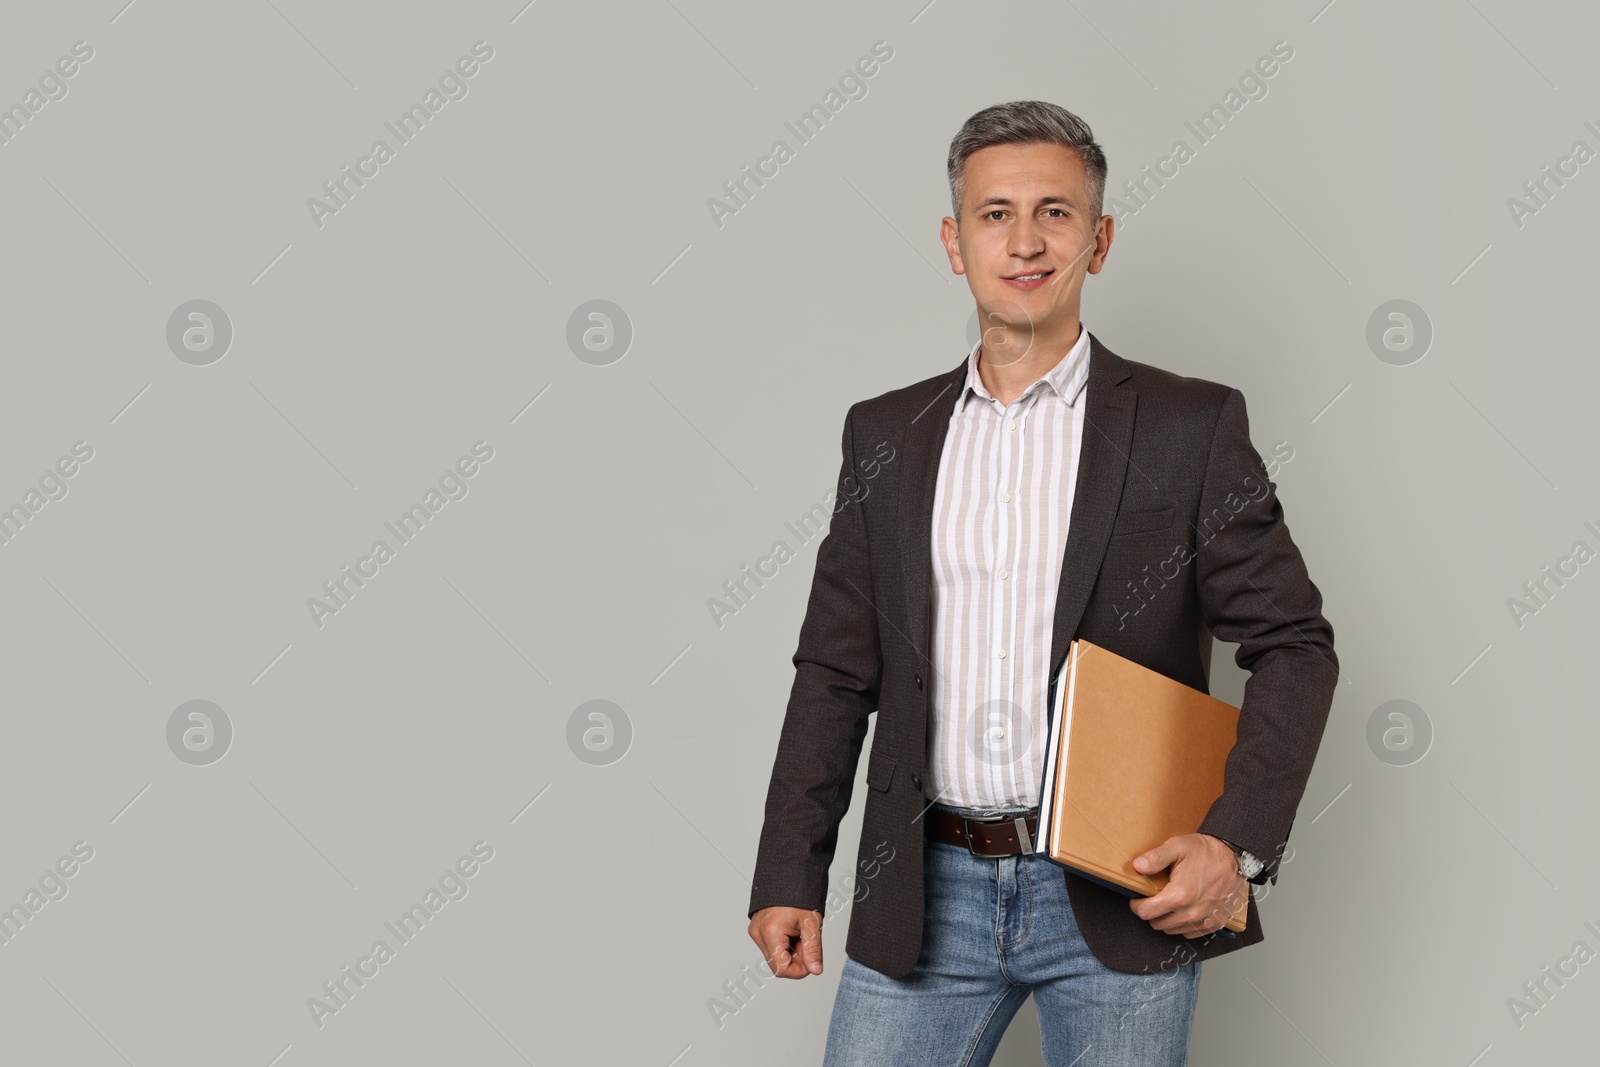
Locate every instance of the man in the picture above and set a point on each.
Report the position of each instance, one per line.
(1044, 489)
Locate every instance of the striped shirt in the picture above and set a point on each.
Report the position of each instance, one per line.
(1000, 512)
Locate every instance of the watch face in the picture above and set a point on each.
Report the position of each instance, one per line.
(1249, 866)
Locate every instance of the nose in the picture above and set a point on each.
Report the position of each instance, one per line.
(1026, 239)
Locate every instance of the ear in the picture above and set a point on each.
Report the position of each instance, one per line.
(949, 234)
(1105, 229)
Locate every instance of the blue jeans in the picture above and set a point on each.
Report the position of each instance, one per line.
(995, 930)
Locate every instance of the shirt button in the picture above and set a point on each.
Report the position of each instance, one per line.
(1011, 424)
(1003, 575)
(1002, 653)
(1005, 498)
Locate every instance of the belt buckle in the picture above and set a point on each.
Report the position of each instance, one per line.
(1020, 821)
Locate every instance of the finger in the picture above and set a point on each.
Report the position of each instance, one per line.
(1172, 896)
(782, 961)
(795, 967)
(1220, 909)
(775, 945)
(1154, 860)
(1170, 924)
(1158, 858)
(811, 943)
(1169, 912)
(1193, 922)
(1165, 920)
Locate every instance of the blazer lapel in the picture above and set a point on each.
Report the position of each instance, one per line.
(923, 446)
(1102, 468)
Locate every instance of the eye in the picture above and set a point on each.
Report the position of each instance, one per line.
(991, 214)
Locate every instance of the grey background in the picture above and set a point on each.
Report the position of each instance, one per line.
(429, 713)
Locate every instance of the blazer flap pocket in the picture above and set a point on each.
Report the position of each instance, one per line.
(1131, 522)
(880, 769)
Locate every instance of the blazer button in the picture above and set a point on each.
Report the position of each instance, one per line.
(916, 780)
(919, 683)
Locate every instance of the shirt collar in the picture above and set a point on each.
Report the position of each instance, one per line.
(1067, 377)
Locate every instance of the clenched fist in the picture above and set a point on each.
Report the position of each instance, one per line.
(790, 939)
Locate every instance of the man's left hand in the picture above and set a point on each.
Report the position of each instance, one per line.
(1205, 883)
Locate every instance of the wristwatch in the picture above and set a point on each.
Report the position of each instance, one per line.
(1250, 868)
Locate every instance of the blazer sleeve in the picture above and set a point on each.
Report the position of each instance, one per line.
(838, 671)
(1254, 591)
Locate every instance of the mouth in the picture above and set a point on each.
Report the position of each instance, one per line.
(1028, 281)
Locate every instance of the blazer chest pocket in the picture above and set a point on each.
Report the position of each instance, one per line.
(880, 770)
(1133, 522)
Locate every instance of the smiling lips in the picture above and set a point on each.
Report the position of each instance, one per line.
(1028, 281)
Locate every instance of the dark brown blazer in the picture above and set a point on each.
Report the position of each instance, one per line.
(1167, 480)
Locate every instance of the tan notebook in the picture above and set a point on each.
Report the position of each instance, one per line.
(1132, 758)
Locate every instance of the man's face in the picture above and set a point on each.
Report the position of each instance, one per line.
(1025, 210)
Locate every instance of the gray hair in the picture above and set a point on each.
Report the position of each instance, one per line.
(1027, 122)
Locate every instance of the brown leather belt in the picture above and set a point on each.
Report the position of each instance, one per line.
(992, 836)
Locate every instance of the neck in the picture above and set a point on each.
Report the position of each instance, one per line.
(1006, 377)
